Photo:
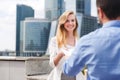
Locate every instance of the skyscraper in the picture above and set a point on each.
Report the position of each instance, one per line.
(83, 6)
(53, 29)
(79, 6)
(53, 9)
(86, 24)
(34, 36)
(23, 11)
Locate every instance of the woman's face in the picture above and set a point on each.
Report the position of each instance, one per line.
(70, 23)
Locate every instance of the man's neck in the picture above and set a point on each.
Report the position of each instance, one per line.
(107, 20)
(118, 18)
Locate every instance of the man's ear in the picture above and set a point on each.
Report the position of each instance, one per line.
(100, 13)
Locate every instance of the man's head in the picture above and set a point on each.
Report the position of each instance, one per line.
(108, 10)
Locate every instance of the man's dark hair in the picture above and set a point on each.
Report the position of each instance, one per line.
(111, 8)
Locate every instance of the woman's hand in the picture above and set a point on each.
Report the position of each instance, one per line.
(58, 58)
(66, 56)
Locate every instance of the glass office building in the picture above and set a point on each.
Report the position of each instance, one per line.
(53, 28)
(34, 36)
(52, 31)
(53, 9)
(87, 24)
(23, 11)
(83, 6)
(70, 5)
(79, 6)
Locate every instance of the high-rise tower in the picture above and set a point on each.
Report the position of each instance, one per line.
(53, 9)
(79, 6)
(23, 11)
(86, 24)
(83, 6)
(34, 36)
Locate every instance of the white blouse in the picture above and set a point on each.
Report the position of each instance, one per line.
(57, 70)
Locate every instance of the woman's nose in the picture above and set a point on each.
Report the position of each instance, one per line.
(70, 22)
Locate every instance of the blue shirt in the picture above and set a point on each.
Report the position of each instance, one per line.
(99, 51)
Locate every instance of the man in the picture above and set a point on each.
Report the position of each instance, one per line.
(99, 50)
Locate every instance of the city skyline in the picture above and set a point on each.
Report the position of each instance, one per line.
(8, 20)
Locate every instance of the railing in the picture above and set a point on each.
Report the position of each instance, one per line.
(24, 54)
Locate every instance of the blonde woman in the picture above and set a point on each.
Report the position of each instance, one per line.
(62, 45)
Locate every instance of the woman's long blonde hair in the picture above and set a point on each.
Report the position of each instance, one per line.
(61, 32)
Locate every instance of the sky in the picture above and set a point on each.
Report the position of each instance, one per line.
(8, 19)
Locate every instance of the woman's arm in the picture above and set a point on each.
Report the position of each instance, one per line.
(55, 57)
(58, 58)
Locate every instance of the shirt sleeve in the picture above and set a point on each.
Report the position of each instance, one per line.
(79, 58)
(52, 49)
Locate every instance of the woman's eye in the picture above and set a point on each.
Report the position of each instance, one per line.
(67, 21)
(73, 20)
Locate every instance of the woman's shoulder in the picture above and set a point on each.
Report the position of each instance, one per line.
(54, 40)
(53, 43)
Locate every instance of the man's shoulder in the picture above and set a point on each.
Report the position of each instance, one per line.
(92, 34)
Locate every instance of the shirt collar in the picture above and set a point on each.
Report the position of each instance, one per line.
(115, 23)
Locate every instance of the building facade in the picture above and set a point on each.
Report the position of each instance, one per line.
(83, 6)
(53, 9)
(79, 6)
(34, 36)
(23, 11)
(87, 24)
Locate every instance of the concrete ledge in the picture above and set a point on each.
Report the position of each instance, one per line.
(38, 77)
(38, 58)
(37, 66)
